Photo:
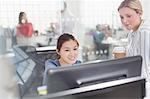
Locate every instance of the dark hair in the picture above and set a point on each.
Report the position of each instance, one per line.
(63, 38)
(21, 14)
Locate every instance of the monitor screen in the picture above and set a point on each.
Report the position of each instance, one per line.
(85, 74)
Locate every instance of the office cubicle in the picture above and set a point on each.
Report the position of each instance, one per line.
(30, 64)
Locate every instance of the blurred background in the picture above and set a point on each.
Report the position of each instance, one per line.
(50, 18)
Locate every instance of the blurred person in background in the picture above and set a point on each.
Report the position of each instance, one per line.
(139, 36)
(24, 30)
(98, 36)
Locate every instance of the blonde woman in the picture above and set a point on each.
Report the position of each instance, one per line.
(139, 36)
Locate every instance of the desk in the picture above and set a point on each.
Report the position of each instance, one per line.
(46, 48)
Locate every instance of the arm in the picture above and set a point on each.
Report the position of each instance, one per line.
(147, 54)
(48, 64)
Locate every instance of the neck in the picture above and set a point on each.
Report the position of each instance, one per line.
(62, 63)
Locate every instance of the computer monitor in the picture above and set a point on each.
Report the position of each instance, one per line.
(85, 74)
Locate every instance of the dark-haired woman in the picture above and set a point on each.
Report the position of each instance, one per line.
(67, 49)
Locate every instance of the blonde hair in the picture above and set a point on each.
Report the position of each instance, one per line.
(133, 4)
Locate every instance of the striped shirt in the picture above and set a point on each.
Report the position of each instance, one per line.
(139, 44)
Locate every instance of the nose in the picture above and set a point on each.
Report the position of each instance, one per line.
(72, 53)
(124, 21)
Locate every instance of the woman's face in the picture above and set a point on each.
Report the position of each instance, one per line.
(24, 18)
(130, 18)
(68, 52)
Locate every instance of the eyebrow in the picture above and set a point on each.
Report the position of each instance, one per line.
(73, 47)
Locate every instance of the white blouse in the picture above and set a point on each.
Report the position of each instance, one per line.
(139, 44)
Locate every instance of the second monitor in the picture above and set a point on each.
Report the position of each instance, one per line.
(60, 79)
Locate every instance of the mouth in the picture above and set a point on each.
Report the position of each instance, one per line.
(128, 27)
(72, 59)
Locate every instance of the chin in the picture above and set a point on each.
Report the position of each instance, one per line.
(71, 62)
(127, 28)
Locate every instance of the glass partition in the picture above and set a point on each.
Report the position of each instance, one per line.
(51, 18)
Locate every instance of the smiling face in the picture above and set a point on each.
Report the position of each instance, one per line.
(68, 52)
(130, 18)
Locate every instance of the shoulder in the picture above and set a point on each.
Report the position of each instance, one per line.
(145, 26)
(28, 24)
(52, 63)
(78, 62)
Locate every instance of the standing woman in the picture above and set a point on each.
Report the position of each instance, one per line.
(67, 50)
(24, 30)
(139, 36)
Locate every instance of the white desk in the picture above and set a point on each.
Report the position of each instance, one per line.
(46, 48)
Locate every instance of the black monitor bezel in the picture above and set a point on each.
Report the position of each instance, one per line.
(78, 75)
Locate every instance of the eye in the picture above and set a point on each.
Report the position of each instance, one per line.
(66, 50)
(75, 48)
(129, 16)
(121, 17)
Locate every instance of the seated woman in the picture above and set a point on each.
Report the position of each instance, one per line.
(67, 49)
